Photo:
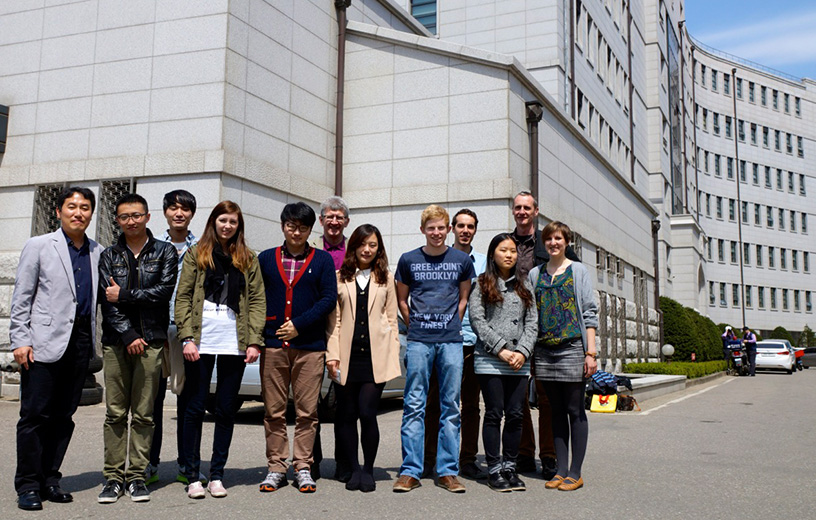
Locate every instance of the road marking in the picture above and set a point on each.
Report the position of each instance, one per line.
(679, 399)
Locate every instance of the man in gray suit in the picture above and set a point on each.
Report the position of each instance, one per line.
(53, 312)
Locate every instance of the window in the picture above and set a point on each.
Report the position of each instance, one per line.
(719, 208)
(705, 161)
(775, 99)
(735, 295)
(728, 126)
(744, 212)
(716, 164)
(789, 143)
(771, 257)
(753, 134)
(796, 306)
(784, 299)
(751, 91)
(791, 182)
(705, 120)
(107, 230)
(45, 200)
(741, 130)
(804, 222)
(759, 255)
(765, 137)
(732, 212)
(808, 303)
(783, 258)
(708, 204)
(761, 297)
(727, 84)
(773, 298)
(805, 261)
(757, 218)
(733, 252)
(800, 147)
(793, 221)
(794, 259)
(713, 80)
(797, 107)
(716, 123)
(779, 179)
(721, 250)
(708, 248)
(702, 67)
(768, 177)
(748, 302)
(782, 219)
(777, 140)
(755, 177)
(763, 96)
(712, 298)
(730, 169)
(801, 184)
(739, 88)
(425, 13)
(787, 103)
(746, 254)
(722, 295)
(742, 171)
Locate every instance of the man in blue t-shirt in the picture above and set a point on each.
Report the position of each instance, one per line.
(438, 279)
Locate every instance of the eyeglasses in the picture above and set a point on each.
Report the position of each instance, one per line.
(333, 218)
(124, 217)
(292, 228)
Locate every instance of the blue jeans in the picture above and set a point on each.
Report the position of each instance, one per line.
(419, 361)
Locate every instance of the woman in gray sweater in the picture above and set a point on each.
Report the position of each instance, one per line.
(503, 315)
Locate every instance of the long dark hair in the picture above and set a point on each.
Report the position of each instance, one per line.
(236, 246)
(379, 265)
(488, 280)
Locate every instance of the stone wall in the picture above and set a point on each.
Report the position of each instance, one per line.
(8, 269)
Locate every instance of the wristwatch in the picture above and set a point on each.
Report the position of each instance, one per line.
(187, 340)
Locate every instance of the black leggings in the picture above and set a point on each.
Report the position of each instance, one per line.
(503, 396)
(359, 401)
(569, 423)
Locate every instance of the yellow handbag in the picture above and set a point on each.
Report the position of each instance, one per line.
(604, 403)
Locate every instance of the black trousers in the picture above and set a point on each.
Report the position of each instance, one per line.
(49, 396)
(504, 397)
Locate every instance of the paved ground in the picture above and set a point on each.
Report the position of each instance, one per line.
(733, 448)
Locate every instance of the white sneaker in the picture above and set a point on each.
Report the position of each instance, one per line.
(195, 490)
(217, 489)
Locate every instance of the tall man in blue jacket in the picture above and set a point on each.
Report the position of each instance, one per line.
(53, 311)
(301, 291)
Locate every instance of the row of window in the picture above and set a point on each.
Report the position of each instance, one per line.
(599, 131)
(765, 93)
(784, 254)
(707, 158)
(761, 292)
(702, 123)
(781, 222)
(598, 53)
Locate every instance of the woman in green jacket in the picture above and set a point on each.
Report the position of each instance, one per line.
(220, 314)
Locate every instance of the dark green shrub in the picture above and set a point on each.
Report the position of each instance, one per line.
(781, 333)
(709, 339)
(678, 329)
(690, 370)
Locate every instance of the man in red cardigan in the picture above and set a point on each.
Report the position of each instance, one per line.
(301, 291)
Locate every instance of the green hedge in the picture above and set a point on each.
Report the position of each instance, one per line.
(690, 332)
(675, 368)
(781, 333)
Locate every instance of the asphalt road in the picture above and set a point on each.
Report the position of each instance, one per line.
(733, 448)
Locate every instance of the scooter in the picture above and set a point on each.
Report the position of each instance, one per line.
(739, 359)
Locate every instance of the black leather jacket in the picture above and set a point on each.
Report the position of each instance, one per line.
(144, 311)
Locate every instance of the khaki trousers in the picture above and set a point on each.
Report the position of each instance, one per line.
(303, 371)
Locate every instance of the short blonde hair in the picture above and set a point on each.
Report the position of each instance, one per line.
(434, 212)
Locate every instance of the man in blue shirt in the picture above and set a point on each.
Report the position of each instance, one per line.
(465, 223)
(438, 280)
(749, 340)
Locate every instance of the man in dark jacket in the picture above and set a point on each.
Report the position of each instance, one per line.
(301, 291)
(137, 276)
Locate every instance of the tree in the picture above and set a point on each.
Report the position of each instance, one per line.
(781, 333)
(807, 338)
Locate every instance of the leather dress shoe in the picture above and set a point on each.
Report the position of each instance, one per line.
(29, 501)
(56, 494)
(406, 483)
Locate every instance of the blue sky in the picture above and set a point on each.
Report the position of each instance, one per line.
(780, 34)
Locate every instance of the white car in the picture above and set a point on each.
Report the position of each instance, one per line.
(775, 354)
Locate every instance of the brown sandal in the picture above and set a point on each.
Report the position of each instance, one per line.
(570, 484)
(555, 482)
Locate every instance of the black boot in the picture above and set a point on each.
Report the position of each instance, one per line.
(497, 482)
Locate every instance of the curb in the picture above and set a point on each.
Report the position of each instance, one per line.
(704, 379)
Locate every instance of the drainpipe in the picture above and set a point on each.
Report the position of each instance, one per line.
(680, 27)
(534, 111)
(631, 93)
(572, 60)
(739, 199)
(341, 6)
(656, 257)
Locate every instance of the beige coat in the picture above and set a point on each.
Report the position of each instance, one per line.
(382, 327)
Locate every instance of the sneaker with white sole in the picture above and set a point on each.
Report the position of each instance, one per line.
(195, 490)
(138, 491)
(274, 481)
(304, 481)
(217, 489)
(111, 492)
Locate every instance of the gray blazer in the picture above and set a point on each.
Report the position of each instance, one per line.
(584, 296)
(44, 301)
